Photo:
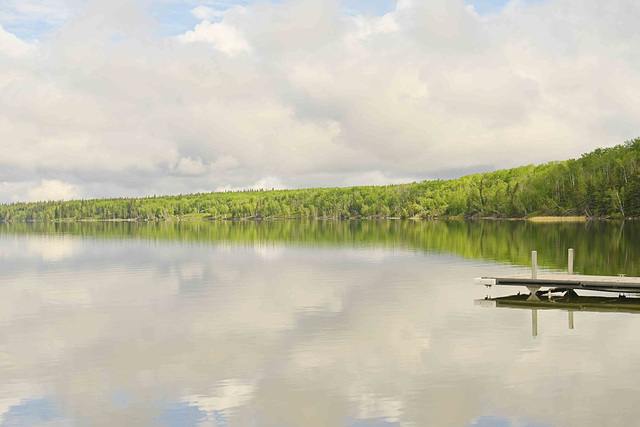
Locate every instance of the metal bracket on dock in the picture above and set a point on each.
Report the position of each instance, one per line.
(534, 293)
(487, 281)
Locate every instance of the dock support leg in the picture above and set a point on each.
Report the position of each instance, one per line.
(534, 323)
(571, 261)
(533, 296)
(534, 265)
(570, 319)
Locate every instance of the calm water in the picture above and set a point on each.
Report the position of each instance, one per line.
(307, 324)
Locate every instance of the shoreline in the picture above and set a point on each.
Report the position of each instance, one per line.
(559, 219)
(535, 219)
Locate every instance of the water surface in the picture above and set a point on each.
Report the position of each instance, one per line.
(290, 323)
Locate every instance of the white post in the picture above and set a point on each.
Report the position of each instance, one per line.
(570, 261)
(534, 323)
(534, 265)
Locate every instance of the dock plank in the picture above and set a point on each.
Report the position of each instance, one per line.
(566, 281)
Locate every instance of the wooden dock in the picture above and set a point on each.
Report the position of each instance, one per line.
(567, 281)
(563, 281)
(560, 293)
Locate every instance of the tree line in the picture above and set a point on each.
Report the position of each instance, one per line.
(604, 184)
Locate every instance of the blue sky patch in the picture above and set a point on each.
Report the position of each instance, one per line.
(487, 6)
(372, 422)
(496, 421)
(30, 412)
(175, 17)
(181, 414)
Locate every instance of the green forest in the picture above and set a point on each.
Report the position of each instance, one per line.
(602, 184)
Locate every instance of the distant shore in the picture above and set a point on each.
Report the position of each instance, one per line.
(603, 184)
(189, 218)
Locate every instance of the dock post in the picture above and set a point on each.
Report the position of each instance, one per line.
(571, 261)
(534, 323)
(534, 275)
(570, 319)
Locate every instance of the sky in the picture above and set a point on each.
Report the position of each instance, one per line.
(106, 98)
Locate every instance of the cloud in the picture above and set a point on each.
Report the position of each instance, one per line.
(206, 13)
(222, 36)
(267, 183)
(52, 190)
(303, 92)
(53, 248)
(12, 46)
(189, 166)
(377, 178)
(227, 394)
(31, 18)
(225, 162)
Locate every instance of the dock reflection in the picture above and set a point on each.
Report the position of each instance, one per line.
(569, 301)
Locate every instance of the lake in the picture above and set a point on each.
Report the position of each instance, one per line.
(308, 323)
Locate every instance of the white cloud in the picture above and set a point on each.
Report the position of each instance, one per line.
(377, 178)
(225, 395)
(26, 13)
(53, 248)
(267, 183)
(225, 162)
(370, 25)
(52, 190)
(301, 92)
(372, 406)
(12, 46)
(220, 35)
(189, 166)
(206, 13)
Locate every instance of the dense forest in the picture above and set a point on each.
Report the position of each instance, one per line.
(604, 183)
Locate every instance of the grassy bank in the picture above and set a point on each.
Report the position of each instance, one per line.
(558, 219)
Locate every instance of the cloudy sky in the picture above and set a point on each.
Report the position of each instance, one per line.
(113, 97)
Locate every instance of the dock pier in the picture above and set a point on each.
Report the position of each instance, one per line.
(561, 292)
(563, 282)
